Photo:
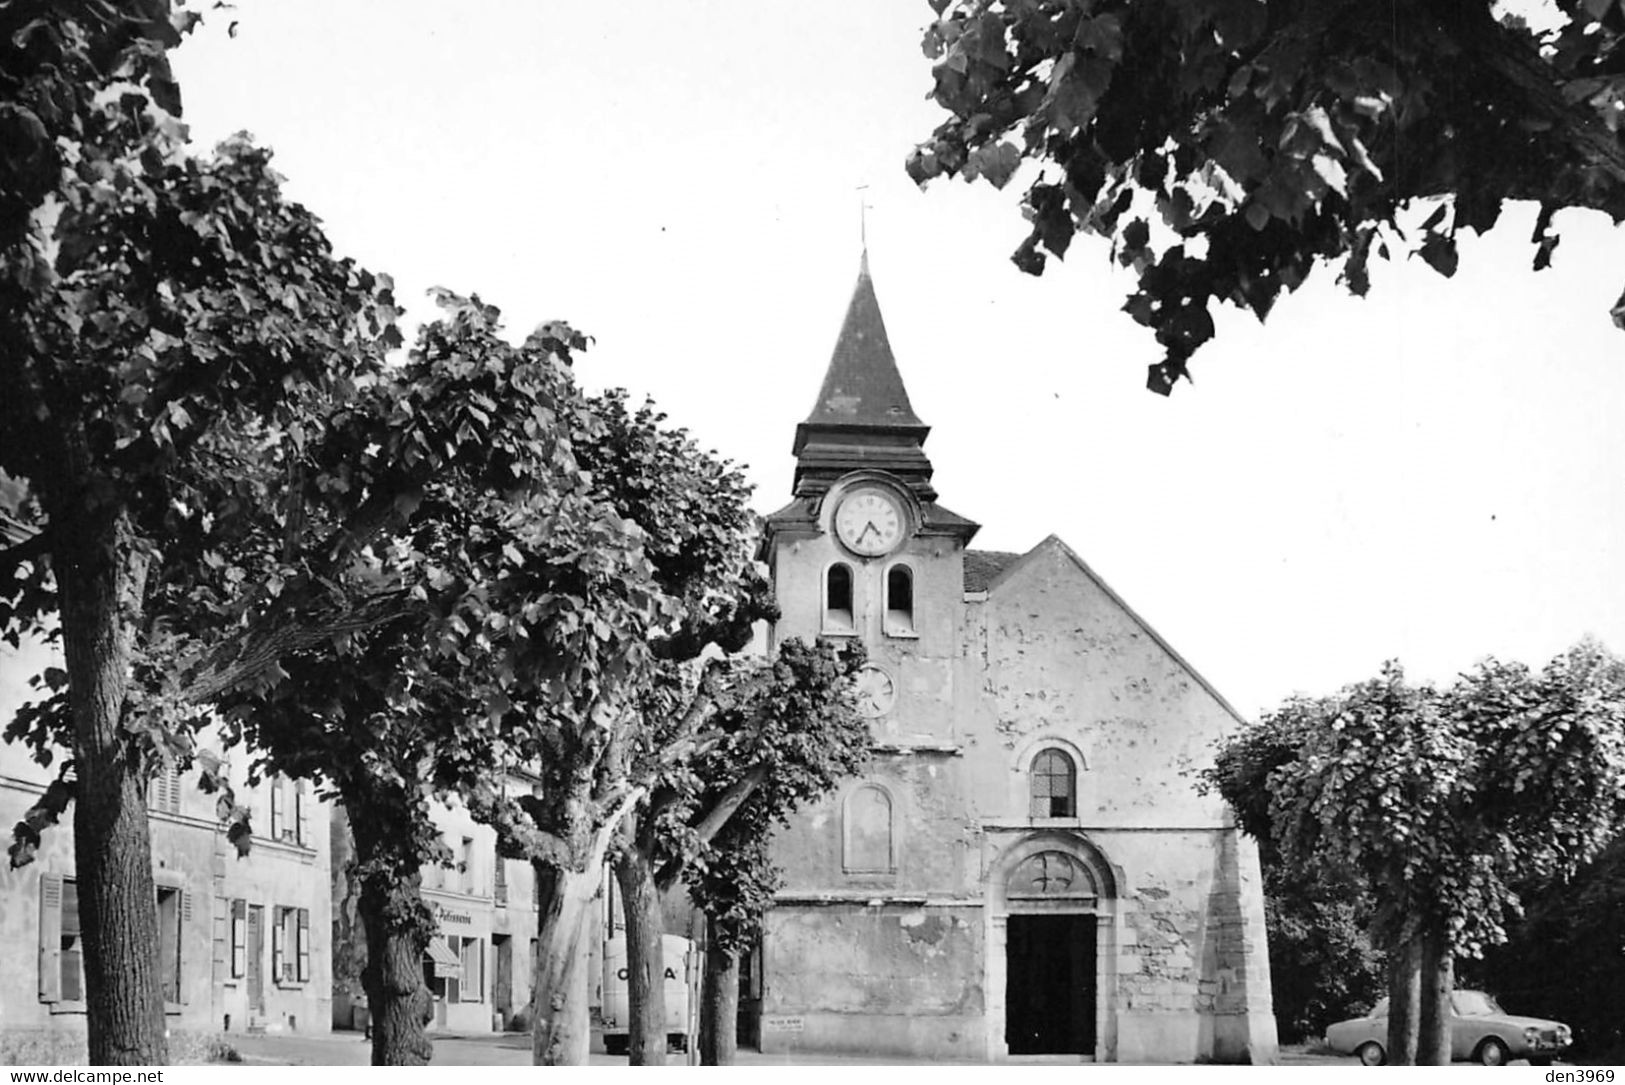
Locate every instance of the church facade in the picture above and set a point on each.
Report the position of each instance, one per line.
(1025, 869)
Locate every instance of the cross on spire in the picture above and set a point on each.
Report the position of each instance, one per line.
(863, 224)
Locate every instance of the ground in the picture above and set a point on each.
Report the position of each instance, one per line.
(513, 1049)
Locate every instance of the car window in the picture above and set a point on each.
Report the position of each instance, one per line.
(1473, 1004)
(1380, 1009)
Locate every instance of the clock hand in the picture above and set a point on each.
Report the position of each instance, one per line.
(868, 527)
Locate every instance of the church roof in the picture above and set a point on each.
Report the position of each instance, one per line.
(982, 566)
(862, 419)
(862, 386)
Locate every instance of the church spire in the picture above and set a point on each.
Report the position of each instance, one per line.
(862, 418)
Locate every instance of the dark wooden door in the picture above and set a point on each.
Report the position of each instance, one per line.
(502, 987)
(1049, 989)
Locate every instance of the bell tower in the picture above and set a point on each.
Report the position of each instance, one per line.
(863, 550)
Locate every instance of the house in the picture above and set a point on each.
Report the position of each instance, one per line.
(243, 941)
(1025, 869)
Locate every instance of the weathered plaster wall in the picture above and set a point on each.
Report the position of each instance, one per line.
(1049, 657)
(882, 979)
(1051, 653)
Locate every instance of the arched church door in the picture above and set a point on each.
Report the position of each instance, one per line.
(1051, 946)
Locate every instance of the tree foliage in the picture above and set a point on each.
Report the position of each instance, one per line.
(439, 555)
(704, 733)
(1225, 147)
(156, 310)
(1565, 959)
(1440, 802)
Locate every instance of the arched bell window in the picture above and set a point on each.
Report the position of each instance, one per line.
(838, 609)
(900, 600)
(1053, 783)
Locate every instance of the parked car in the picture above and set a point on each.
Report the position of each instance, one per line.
(1479, 1030)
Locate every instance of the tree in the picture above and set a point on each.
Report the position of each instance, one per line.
(733, 884)
(460, 562)
(785, 732)
(1565, 958)
(1224, 147)
(684, 709)
(1323, 964)
(1440, 802)
(154, 308)
(705, 735)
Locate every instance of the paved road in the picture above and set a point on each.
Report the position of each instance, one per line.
(513, 1049)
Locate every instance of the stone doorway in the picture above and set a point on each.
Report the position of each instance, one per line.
(1050, 985)
(1050, 961)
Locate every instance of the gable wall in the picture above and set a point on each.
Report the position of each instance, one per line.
(1053, 654)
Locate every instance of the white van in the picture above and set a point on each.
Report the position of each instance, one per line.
(616, 1015)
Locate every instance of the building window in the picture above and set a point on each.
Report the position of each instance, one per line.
(471, 954)
(290, 827)
(61, 951)
(867, 843)
(279, 815)
(838, 609)
(900, 601)
(61, 946)
(239, 939)
(164, 790)
(1054, 786)
(499, 890)
(302, 965)
(465, 865)
(290, 946)
(170, 911)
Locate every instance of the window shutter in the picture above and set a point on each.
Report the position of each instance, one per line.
(180, 947)
(278, 814)
(50, 938)
(301, 813)
(277, 948)
(303, 948)
(239, 938)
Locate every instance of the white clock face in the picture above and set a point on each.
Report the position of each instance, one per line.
(873, 691)
(869, 522)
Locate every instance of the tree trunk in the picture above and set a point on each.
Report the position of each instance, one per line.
(97, 579)
(398, 928)
(561, 1034)
(719, 1007)
(1437, 975)
(645, 958)
(1404, 998)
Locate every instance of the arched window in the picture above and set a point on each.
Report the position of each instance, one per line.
(900, 600)
(838, 599)
(867, 844)
(1054, 782)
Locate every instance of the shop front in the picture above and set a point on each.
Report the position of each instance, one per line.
(456, 967)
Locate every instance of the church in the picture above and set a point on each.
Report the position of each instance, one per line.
(1025, 870)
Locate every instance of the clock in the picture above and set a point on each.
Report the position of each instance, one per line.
(870, 522)
(873, 691)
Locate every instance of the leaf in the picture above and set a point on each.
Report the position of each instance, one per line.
(997, 162)
(1439, 250)
(1331, 171)
(1028, 258)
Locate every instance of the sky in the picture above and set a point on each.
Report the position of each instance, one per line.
(1431, 473)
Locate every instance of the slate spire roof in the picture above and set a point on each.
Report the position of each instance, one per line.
(862, 417)
(862, 386)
